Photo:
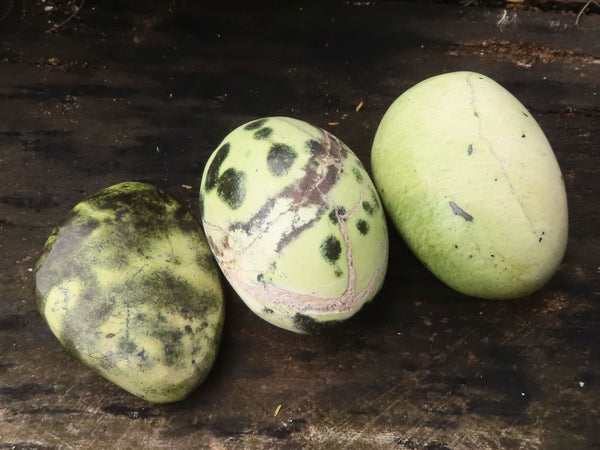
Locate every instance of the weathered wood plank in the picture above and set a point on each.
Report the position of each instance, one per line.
(121, 93)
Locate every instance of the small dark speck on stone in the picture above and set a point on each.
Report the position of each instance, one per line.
(470, 149)
(457, 210)
(362, 226)
(188, 329)
(523, 135)
(525, 114)
(492, 256)
(268, 310)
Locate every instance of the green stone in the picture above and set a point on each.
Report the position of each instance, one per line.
(294, 222)
(128, 285)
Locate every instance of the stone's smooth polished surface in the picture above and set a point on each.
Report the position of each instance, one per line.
(472, 184)
(127, 284)
(295, 222)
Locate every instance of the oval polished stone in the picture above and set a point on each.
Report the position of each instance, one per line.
(295, 223)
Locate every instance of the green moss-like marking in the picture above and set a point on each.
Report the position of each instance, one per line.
(331, 249)
(135, 295)
(232, 187)
(280, 159)
(212, 174)
(362, 226)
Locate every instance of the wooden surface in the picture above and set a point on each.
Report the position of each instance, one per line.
(146, 90)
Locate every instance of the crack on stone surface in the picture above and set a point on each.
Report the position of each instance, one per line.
(493, 152)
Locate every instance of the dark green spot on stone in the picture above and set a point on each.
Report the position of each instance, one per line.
(368, 207)
(314, 147)
(332, 215)
(280, 159)
(232, 187)
(362, 226)
(338, 273)
(212, 174)
(331, 249)
(263, 133)
(254, 125)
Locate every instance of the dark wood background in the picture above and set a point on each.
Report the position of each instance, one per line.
(146, 90)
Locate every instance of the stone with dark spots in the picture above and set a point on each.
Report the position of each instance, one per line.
(212, 174)
(331, 249)
(256, 124)
(263, 133)
(231, 187)
(280, 159)
(362, 226)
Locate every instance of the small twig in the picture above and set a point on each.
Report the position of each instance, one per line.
(67, 20)
(11, 4)
(586, 6)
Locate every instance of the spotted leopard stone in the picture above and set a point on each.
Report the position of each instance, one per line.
(301, 232)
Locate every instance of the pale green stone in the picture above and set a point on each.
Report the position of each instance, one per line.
(472, 184)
